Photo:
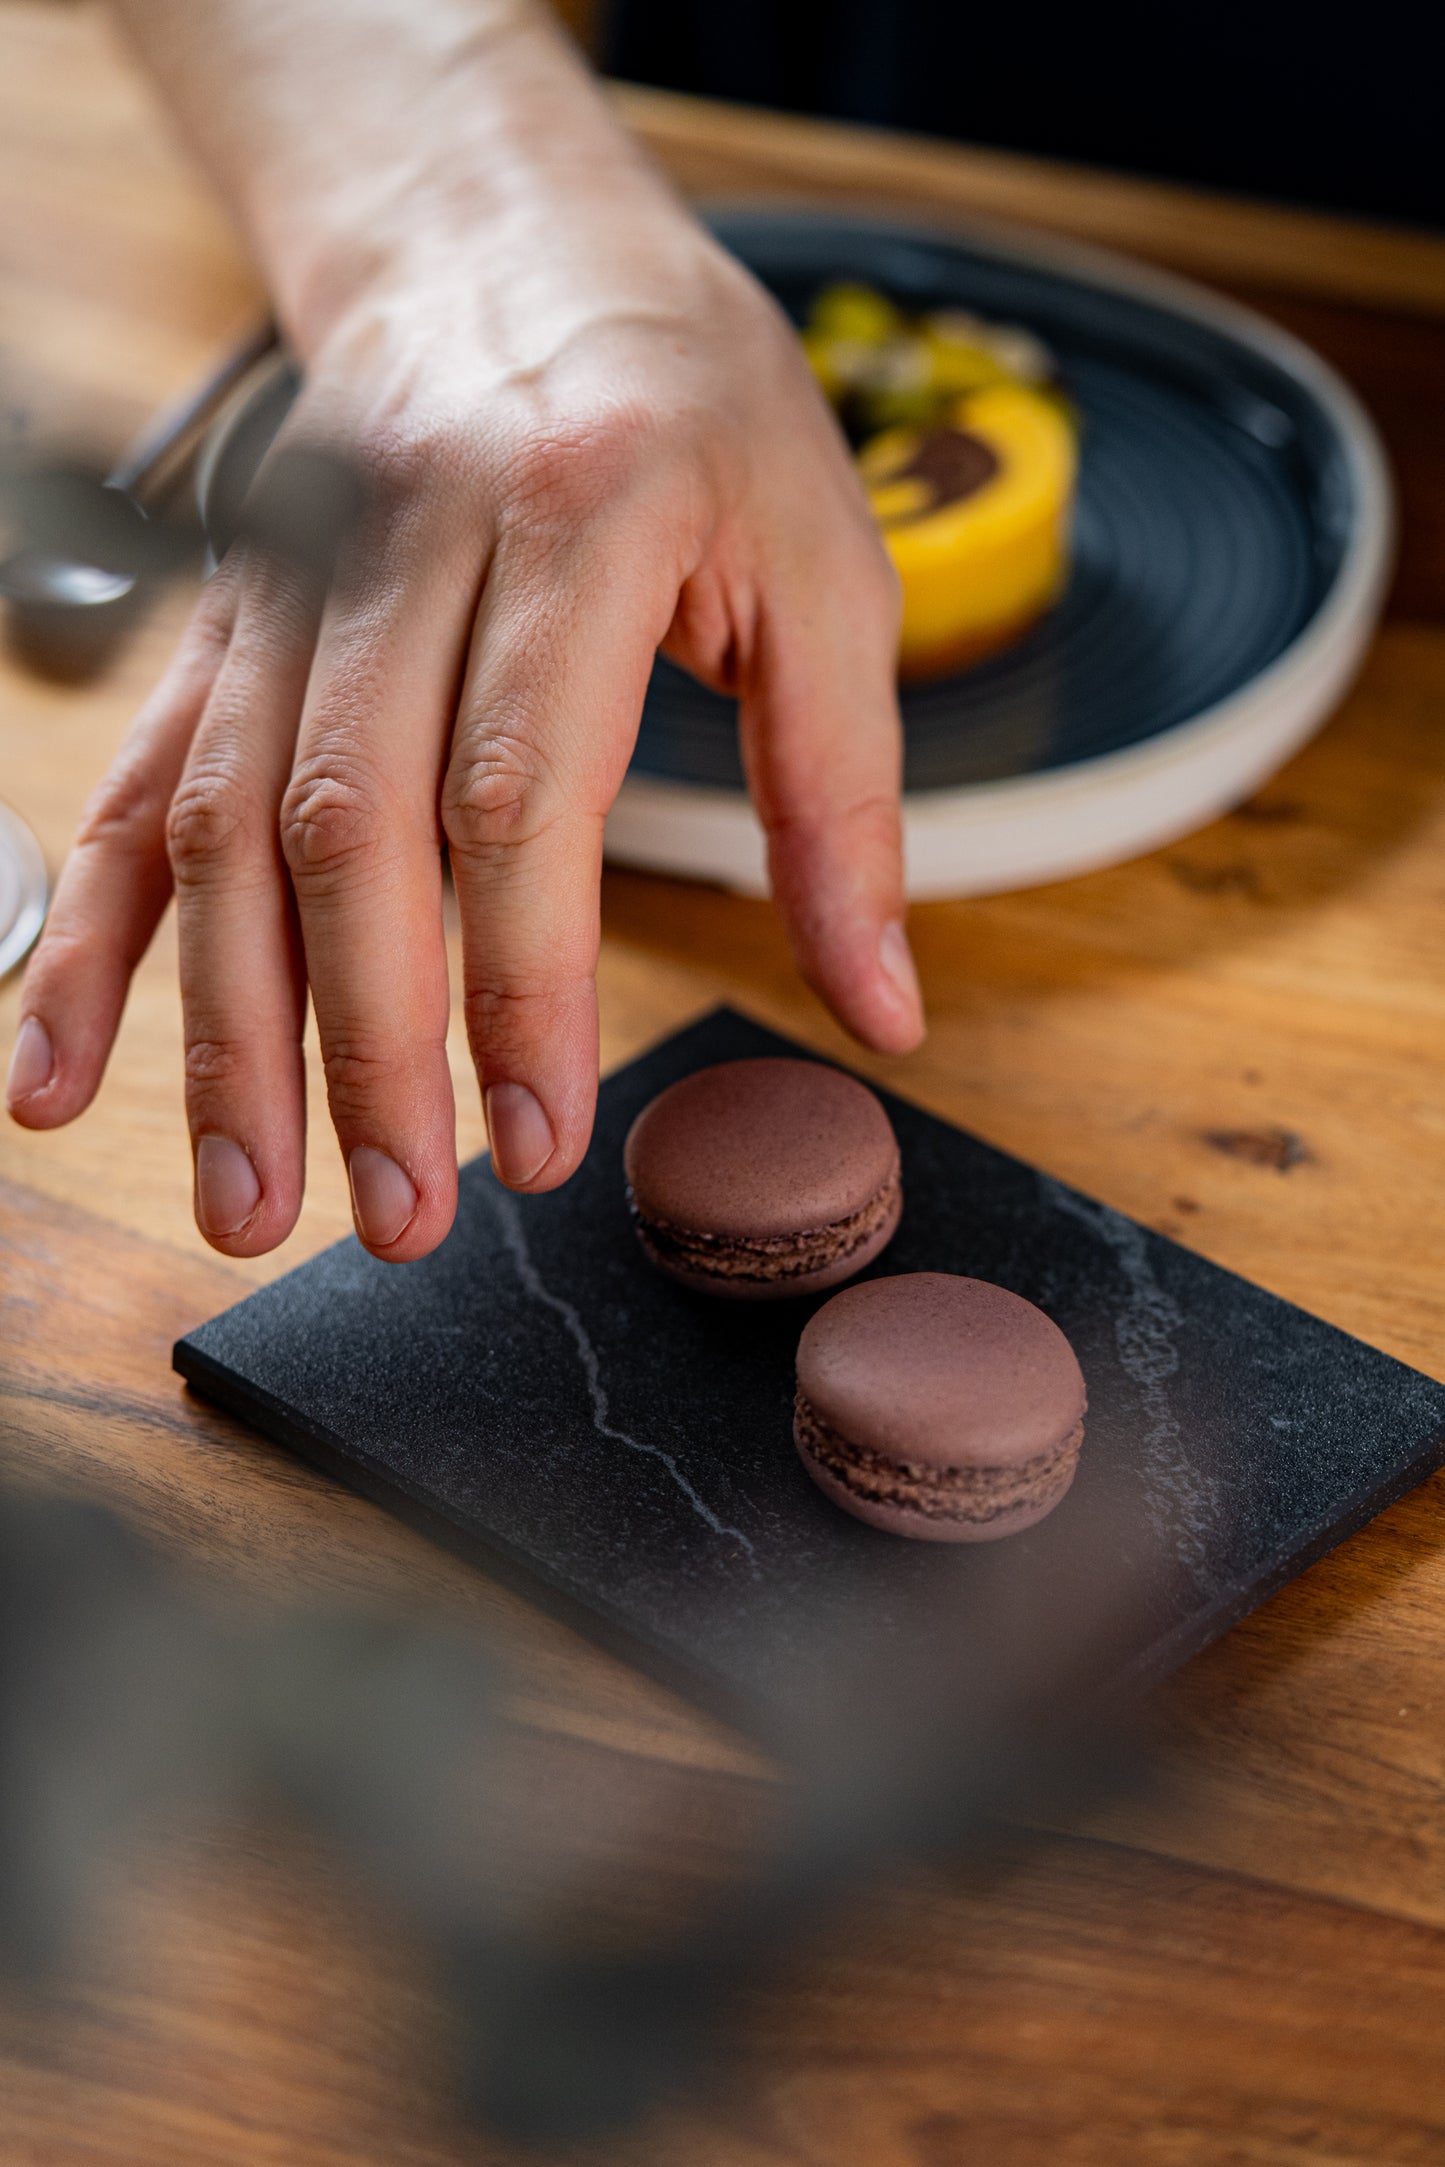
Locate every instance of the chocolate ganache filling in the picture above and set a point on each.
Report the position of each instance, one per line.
(975, 1494)
(765, 1257)
(952, 465)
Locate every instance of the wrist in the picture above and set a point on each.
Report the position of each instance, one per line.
(509, 145)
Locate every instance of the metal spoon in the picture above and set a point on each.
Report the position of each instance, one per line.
(74, 583)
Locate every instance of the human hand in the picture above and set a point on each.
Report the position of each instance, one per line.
(581, 440)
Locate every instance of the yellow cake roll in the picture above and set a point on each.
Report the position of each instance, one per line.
(969, 455)
(975, 512)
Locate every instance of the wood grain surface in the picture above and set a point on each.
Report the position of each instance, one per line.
(1238, 1039)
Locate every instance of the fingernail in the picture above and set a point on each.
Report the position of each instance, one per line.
(521, 1134)
(896, 957)
(227, 1188)
(31, 1062)
(383, 1196)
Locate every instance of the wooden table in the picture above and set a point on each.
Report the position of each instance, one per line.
(1248, 1965)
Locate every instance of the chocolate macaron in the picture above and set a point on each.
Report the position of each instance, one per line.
(936, 1406)
(757, 1179)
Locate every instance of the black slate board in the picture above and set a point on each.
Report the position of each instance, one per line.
(536, 1395)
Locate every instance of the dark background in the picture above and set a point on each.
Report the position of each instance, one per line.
(1333, 107)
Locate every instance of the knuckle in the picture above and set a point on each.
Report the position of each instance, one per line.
(401, 457)
(62, 953)
(876, 820)
(863, 824)
(511, 1013)
(357, 1072)
(207, 638)
(126, 814)
(209, 821)
(409, 468)
(571, 468)
(329, 824)
(496, 795)
(212, 1062)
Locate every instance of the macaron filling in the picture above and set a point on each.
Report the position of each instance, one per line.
(972, 1494)
(766, 1259)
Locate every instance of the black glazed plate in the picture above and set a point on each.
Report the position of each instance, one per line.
(1216, 505)
(536, 1396)
(1231, 541)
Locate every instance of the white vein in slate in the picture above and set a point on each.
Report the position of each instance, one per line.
(1180, 1502)
(512, 1233)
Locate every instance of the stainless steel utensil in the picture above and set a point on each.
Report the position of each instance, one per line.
(91, 544)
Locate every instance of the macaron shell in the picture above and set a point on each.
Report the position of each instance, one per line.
(941, 1371)
(761, 1148)
(787, 1285)
(926, 1527)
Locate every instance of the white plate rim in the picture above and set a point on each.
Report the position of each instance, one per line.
(33, 883)
(1022, 831)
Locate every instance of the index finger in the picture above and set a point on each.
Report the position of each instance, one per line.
(823, 748)
(563, 650)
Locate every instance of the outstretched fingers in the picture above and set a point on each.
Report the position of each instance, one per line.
(242, 984)
(823, 749)
(113, 890)
(361, 840)
(563, 650)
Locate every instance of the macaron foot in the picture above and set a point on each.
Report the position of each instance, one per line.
(961, 1504)
(762, 1179)
(938, 1407)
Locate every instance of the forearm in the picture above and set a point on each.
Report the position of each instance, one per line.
(359, 140)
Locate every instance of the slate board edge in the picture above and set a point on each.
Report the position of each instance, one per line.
(353, 1470)
(1196, 1634)
(598, 1624)
(592, 1617)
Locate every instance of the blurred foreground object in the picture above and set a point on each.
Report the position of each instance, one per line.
(85, 551)
(133, 1703)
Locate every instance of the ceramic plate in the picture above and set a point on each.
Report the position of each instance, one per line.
(23, 889)
(1232, 540)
